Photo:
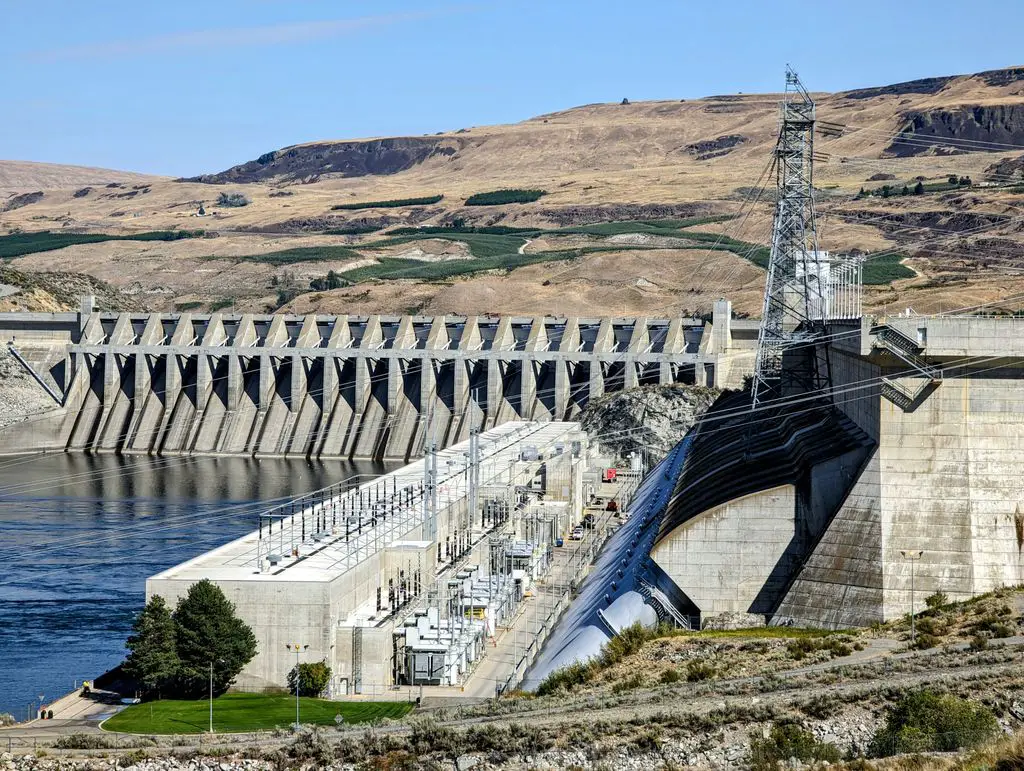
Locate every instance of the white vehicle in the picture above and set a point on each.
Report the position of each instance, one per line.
(577, 533)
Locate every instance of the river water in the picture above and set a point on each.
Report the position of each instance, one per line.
(80, 534)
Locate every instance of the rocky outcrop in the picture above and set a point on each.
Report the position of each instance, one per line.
(715, 148)
(346, 159)
(17, 201)
(48, 292)
(937, 131)
(650, 418)
(20, 396)
(922, 86)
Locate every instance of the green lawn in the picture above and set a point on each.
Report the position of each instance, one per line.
(240, 712)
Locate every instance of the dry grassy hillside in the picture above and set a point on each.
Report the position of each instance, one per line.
(26, 176)
(674, 163)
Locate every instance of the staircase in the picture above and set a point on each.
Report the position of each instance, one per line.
(662, 605)
(907, 350)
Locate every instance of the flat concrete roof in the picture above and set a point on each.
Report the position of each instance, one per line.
(332, 556)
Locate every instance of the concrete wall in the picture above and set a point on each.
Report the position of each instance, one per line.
(722, 558)
(278, 613)
(947, 478)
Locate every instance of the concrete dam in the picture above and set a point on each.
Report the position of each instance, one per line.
(377, 386)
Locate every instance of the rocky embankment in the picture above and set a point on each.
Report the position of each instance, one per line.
(649, 418)
(20, 395)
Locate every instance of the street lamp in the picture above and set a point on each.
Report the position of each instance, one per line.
(298, 648)
(219, 661)
(913, 555)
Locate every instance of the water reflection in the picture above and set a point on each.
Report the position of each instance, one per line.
(79, 534)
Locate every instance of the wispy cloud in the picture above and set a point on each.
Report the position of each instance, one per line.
(234, 37)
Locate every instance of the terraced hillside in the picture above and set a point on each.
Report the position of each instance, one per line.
(926, 177)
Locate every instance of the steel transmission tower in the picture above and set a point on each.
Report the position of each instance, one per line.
(796, 290)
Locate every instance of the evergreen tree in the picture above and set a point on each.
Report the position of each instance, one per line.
(208, 631)
(919, 188)
(152, 658)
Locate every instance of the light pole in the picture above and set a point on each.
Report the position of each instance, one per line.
(913, 555)
(298, 648)
(219, 661)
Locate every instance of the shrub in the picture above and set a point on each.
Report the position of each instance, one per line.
(924, 721)
(925, 641)
(566, 678)
(697, 671)
(629, 684)
(499, 197)
(789, 741)
(393, 203)
(821, 707)
(979, 642)
(331, 281)
(938, 600)
(1001, 630)
(232, 200)
(312, 746)
(930, 626)
(670, 676)
(310, 678)
(625, 643)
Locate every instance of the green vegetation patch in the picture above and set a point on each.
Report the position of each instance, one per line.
(510, 195)
(482, 245)
(298, 254)
(394, 268)
(925, 721)
(886, 269)
(238, 712)
(20, 244)
(393, 203)
(663, 227)
(789, 741)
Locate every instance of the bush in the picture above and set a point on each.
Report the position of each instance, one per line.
(310, 678)
(499, 197)
(979, 642)
(331, 281)
(938, 600)
(697, 671)
(393, 203)
(232, 200)
(566, 678)
(629, 684)
(924, 721)
(670, 676)
(625, 643)
(821, 707)
(926, 641)
(789, 741)
(801, 647)
(1002, 630)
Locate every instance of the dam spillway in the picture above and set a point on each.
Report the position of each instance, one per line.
(336, 386)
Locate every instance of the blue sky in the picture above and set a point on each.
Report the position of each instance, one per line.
(184, 87)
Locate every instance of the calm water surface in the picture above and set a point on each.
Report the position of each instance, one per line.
(80, 534)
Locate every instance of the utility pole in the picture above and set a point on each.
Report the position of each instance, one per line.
(913, 556)
(795, 309)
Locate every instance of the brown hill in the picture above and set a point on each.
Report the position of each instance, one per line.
(676, 160)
